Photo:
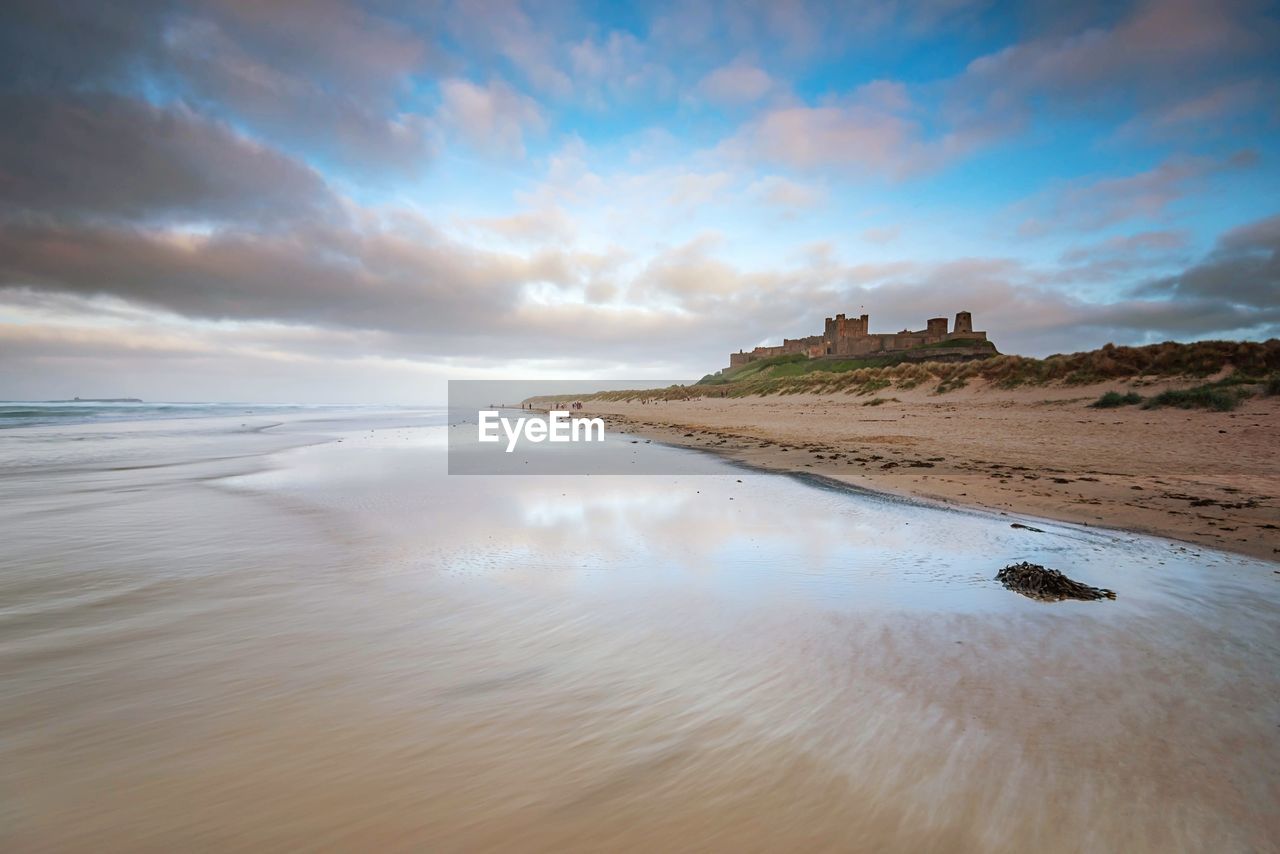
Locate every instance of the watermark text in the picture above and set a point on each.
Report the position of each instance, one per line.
(558, 426)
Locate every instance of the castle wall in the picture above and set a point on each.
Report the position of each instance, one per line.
(849, 337)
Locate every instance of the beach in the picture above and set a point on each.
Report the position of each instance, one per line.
(266, 633)
(639, 427)
(1211, 478)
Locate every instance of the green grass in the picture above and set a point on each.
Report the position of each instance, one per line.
(1256, 365)
(759, 366)
(1222, 395)
(795, 365)
(1209, 396)
(798, 364)
(1112, 399)
(872, 386)
(956, 342)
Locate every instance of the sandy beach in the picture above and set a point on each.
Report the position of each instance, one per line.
(1211, 478)
(294, 630)
(700, 427)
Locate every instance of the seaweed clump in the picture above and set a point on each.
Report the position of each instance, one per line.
(1047, 585)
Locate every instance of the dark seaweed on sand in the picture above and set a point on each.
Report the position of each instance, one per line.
(1047, 585)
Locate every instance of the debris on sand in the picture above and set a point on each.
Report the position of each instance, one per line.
(1027, 527)
(1047, 585)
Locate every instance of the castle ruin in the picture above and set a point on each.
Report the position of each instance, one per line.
(849, 338)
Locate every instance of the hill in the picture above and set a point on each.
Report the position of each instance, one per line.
(1244, 361)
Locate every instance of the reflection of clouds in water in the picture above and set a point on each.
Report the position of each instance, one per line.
(364, 647)
(738, 534)
(772, 528)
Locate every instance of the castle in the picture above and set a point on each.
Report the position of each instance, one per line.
(847, 337)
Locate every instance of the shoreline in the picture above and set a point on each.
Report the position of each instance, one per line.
(1039, 453)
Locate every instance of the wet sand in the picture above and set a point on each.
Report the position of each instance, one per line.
(1211, 478)
(287, 642)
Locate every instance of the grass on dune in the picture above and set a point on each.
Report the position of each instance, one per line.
(1255, 365)
(1221, 396)
(794, 374)
(1112, 399)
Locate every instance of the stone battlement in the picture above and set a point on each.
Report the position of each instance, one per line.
(850, 338)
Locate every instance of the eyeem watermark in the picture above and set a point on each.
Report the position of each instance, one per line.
(558, 426)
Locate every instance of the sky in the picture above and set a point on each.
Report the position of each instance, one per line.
(353, 202)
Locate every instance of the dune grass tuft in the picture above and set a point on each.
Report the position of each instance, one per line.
(1209, 396)
(1112, 399)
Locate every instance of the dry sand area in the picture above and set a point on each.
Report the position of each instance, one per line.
(1211, 478)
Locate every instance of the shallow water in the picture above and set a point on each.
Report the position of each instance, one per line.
(218, 634)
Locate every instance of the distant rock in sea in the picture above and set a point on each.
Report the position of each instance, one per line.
(99, 400)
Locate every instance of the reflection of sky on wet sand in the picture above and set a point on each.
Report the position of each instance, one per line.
(737, 534)
(239, 639)
(709, 648)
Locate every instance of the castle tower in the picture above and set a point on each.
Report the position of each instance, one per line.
(937, 327)
(964, 323)
(834, 328)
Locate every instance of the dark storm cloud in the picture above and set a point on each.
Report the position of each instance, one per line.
(327, 77)
(68, 44)
(393, 276)
(1242, 272)
(104, 155)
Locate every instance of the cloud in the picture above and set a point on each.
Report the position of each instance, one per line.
(882, 236)
(1102, 266)
(1162, 68)
(621, 204)
(844, 136)
(242, 177)
(1091, 205)
(1127, 246)
(158, 358)
(389, 272)
(693, 189)
(1242, 271)
(401, 289)
(46, 45)
(790, 198)
(1020, 304)
(106, 155)
(325, 77)
(736, 84)
(531, 44)
(493, 118)
(618, 69)
(1160, 45)
(876, 130)
(393, 278)
(536, 226)
(1207, 113)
